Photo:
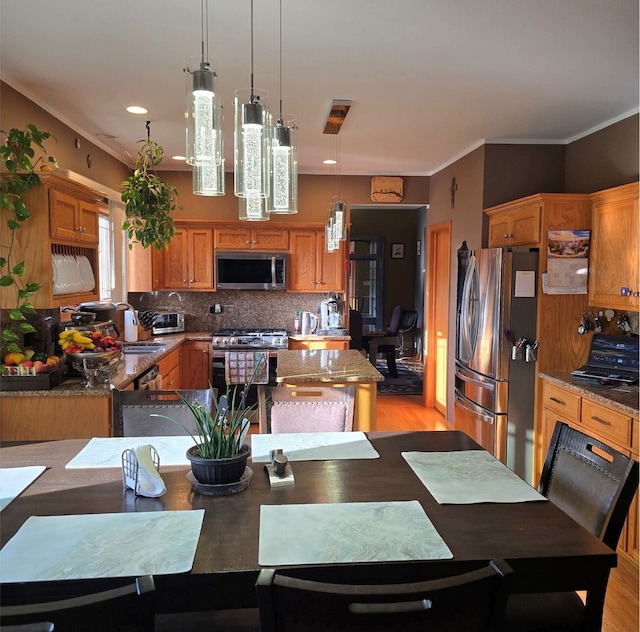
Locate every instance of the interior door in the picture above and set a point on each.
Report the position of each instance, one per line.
(438, 242)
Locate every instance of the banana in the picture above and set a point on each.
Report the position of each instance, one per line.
(81, 340)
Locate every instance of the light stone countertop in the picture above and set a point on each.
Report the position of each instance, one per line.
(306, 337)
(131, 366)
(325, 365)
(623, 398)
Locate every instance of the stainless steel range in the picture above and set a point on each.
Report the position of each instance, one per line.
(223, 340)
(255, 338)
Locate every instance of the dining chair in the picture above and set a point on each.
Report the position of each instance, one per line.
(387, 344)
(595, 485)
(473, 601)
(355, 331)
(305, 408)
(134, 412)
(130, 607)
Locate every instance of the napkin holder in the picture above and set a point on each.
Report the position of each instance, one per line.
(131, 469)
(279, 470)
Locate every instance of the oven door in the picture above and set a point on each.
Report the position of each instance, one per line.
(220, 383)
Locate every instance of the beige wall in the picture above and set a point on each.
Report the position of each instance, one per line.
(18, 111)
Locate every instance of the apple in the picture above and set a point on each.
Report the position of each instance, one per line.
(40, 367)
(26, 363)
(29, 353)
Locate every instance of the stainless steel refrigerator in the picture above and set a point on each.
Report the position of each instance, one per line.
(494, 395)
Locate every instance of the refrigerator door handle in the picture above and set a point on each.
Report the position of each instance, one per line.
(468, 378)
(469, 311)
(465, 404)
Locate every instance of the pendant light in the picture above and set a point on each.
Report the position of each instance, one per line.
(336, 227)
(253, 209)
(252, 158)
(284, 161)
(204, 122)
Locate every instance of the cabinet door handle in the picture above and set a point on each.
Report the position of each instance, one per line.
(558, 401)
(600, 420)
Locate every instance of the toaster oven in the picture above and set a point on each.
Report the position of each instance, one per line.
(168, 323)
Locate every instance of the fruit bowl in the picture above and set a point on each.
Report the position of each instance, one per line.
(96, 367)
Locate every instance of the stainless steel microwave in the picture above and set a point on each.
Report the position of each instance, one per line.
(251, 271)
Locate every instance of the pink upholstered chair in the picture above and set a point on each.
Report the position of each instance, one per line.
(306, 408)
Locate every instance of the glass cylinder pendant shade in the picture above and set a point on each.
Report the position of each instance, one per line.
(253, 209)
(339, 215)
(284, 168)
(330, 241)
(204, 118)
(252, 147)
(208, 179)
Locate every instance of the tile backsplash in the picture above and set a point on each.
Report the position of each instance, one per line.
(240, 308)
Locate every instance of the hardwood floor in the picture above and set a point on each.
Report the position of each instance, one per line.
(406, 412)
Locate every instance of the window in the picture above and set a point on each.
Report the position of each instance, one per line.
(105, 255)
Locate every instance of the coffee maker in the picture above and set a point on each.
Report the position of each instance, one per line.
(331, 314)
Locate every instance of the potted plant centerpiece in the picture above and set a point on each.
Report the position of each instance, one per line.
(219, 454)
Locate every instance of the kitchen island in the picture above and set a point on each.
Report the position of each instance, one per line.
(323, 367)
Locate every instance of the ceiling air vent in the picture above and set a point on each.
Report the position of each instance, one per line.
(337, 114)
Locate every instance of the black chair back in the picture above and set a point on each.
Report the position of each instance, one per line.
(130, 607)
(355, 329)
(396, 321)
(590, 481)
(472, 602)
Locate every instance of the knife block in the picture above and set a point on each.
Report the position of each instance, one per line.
(143, 334)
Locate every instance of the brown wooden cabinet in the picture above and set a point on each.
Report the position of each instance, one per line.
(64, 220)
(245, 238)
(49, 417)
(311, 268)
(188, 261)
(515, 226)
(611, 426)
(169, 368)
(613, 257)
(72, 219)
(196, 364)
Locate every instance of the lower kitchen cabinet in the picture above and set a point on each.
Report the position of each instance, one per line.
(613, 427)
(196, 364)
(318, 344)
(169, 368)
(45, 417)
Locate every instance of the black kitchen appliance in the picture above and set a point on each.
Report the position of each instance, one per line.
(246, 339)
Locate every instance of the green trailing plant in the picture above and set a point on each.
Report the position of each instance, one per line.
(18, 159)
(148, 200)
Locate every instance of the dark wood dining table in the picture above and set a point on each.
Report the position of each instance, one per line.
(547, 549)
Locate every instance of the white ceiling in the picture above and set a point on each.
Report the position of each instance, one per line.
(429, 79)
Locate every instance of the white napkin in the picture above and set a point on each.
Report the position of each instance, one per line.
(150, 482)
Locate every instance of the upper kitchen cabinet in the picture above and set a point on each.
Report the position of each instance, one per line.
(514, 224)
(245, 238)
(73, 220)
(525, 222)
(187, 263)
(311, 268)
(63, 228)
(613, 259)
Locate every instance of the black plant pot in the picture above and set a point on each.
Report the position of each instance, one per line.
(218, 471)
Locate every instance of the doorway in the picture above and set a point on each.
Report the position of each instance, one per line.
(438, 240)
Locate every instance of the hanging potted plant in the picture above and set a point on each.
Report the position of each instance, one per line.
(148, 200)
(17, 156)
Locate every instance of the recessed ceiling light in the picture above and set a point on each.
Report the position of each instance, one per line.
(178, 157)
(137, 109)
(330, 161)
